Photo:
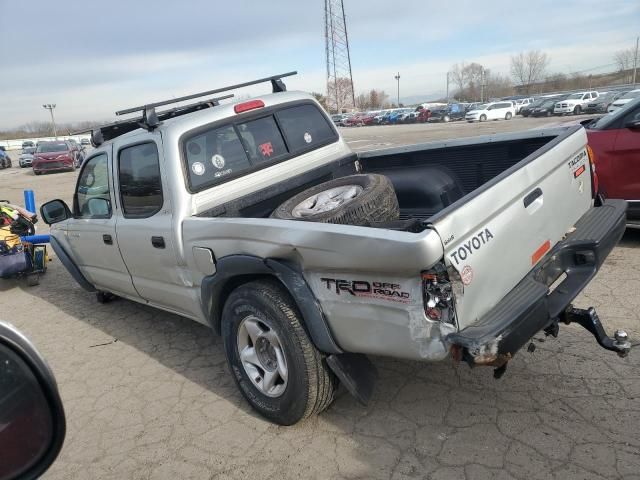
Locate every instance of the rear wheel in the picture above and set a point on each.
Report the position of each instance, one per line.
(446, 119)
(483, 118)
(508, 116)
(276, 367)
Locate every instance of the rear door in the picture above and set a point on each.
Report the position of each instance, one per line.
(144, 226)
(505, 227)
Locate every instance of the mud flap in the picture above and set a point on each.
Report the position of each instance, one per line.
(356, 372)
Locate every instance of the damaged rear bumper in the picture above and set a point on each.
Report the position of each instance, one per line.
(530, 307)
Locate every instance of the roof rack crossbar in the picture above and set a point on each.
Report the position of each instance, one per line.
(277, 84)
(164, 114)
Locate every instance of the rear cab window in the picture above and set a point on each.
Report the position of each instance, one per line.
(224, 152)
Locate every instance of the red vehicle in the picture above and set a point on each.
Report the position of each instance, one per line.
(54, 156)
(615, 141)
(423, 115)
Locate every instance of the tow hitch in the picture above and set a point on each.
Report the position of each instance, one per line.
(589, 320)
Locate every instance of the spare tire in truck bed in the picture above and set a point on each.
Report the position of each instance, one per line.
(353, 200)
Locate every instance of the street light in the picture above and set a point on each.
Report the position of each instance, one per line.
(397, 77)
(50, 107)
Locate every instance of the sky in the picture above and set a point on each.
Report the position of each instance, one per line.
(93, 58)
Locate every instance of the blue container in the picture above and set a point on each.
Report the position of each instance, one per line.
(35, 239)
(30, 201)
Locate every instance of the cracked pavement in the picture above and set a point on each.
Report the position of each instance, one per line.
(148, 395)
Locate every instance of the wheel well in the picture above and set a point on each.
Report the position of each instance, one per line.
(229, 286)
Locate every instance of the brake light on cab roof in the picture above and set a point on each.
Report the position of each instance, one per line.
(246, 106)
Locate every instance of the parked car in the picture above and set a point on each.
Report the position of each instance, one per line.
(355, 120)
(27, 144)
(86, 141)
(523, 102)
(423, 115)
(453, 111)
(615, 141)
(543, 109)
(574, 103)
(54, 156)
(323, 256)
(491, 111)
(26, 157)
(623, 100)
(602, 103)
(5, 160)
(398, 114)
(526, 110)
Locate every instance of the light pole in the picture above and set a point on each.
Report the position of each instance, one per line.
(50, 107)
(448, 88)
(397, 77)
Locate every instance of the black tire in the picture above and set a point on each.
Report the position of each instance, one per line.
(483, 118)
(525, 115)
(104, 297)
(310, 386)
(548, 113)
(37, 173)
(377, 202)
(577, 110)
(508, 116)
(33, 279)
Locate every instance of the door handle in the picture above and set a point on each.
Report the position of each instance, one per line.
(107, 239)
(157, 242)
(531, 197)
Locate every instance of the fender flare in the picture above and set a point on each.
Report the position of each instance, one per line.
(70, 265)
(234, 268)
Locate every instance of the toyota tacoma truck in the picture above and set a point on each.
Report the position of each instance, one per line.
(255, 218)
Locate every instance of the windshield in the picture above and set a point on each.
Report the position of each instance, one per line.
(482, 106)
(575, 96)
(631, 94)
(606, 120)
(29, 150)
(52, 147)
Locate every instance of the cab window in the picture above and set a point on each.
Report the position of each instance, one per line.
(140, 182)
(92, 198)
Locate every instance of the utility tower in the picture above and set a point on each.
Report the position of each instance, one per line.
(340, 95)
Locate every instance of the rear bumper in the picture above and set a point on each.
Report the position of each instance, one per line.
(530, 307)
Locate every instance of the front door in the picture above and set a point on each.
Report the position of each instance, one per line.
(91, 234)
(144, 227)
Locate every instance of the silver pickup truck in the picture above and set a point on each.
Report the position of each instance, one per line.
(254, 217)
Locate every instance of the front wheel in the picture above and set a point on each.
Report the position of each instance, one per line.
(483, 118)
(508, 116)
(276, 367)
(446, 119)
(577, 110)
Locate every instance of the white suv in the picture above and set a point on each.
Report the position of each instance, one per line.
(574, 103)
(492, 111)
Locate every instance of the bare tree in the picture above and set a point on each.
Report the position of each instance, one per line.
(497, 85)
(529, 67)
(458, 77)
(624, 61)
(322, 100)
(340, 94)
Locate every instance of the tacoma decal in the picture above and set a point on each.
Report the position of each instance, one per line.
(363, 288)
(473, 245)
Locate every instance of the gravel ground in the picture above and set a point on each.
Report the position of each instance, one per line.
(148, 394)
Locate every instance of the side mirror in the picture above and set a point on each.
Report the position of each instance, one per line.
(54, 211)
(31, 412)
(633, 124)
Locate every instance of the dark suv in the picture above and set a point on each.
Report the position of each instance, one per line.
(453, 111)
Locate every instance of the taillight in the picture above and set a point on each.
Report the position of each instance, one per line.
(438, 295)
(594, 175)
(246, 106)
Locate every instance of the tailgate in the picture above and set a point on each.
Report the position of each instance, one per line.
(495, 237)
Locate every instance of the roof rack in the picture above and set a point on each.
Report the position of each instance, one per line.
(151, 119)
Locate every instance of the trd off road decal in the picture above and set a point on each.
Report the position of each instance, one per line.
(363, 288)
(468, 248)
